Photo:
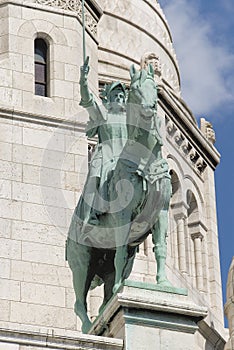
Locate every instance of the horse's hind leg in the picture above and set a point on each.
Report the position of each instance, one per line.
(80, 307)
(120, 263)
(78, 257)
(160, 247)
(109, 280)
(121, 255)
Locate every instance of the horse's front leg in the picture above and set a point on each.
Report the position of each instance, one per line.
(160, 247)
(121, 255)
(78, 257)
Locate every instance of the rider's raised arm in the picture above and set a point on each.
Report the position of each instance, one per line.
(88, 102)
(86, 96)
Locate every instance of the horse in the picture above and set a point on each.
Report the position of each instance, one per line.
(139, 197)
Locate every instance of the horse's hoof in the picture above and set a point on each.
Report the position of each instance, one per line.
(163, 282)
(86, 327)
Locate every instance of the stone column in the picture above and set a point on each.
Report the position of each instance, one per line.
(197, 238)
(215, 285)
(180, 220)
(229, 307)
(179, 211)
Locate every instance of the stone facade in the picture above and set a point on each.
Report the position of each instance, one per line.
(229, 307)
(44, 162)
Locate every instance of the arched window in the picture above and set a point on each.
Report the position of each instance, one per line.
(41, 67)
(176, 187)
(193, 214)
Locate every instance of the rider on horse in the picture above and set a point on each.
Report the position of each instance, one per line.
(127, 192)
(108, 122)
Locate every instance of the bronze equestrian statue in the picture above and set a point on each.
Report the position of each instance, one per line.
(127, 192)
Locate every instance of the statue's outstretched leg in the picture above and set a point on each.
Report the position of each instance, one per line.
(78, 257)
(160, 247)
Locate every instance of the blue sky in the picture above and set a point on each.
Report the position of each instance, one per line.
(203, 35)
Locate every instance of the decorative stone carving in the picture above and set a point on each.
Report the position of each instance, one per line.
(153, 59)
(201, 165)
(197, 235)
(207, 130)
(193, 155)
(186, 147)
(75, 6)
(171, 129)
(210, 134)
(161, 70)
(179, 140)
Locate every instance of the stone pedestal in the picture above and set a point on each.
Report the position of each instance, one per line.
(147, 316)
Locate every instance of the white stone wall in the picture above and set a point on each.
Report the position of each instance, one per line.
(43, 159)
(43, 173)
(20, 24)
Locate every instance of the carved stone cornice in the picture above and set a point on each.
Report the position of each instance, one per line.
(197, 229)
(197, 224)
(179, 205)
(179, 210)
(179, 140)
(16, 336)
(40, 119)
(181, 118)
(91, 18)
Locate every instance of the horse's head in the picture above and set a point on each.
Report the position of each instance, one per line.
(143, 90)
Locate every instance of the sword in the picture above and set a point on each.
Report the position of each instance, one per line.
(83, 23)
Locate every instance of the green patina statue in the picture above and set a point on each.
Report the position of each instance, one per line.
(127, 191)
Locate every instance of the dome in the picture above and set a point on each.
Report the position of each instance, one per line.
(130, 30)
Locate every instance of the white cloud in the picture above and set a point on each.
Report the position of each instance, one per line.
(205, 66)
